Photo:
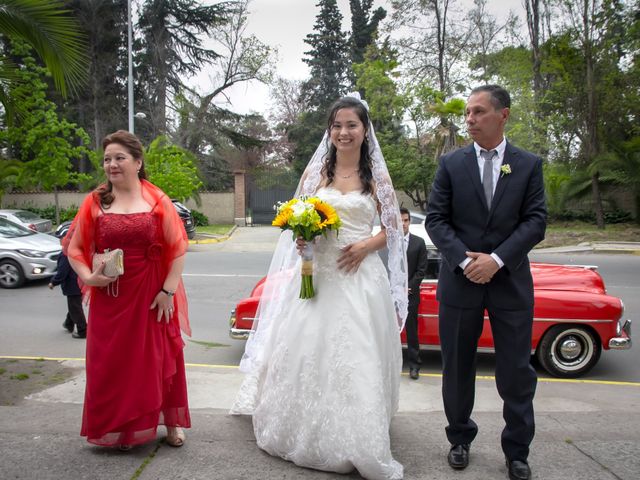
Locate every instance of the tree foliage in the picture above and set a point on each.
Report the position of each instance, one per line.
(327, 59)
(173, 169)
(53, 34)
(170, 50)
(47, 144)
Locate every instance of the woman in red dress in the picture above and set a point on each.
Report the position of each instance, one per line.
(135, 363)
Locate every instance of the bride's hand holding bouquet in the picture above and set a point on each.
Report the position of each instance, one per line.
(307, 218)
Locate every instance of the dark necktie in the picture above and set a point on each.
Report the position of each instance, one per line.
(487, 174)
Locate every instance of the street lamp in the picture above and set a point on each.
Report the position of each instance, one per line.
(130, 80)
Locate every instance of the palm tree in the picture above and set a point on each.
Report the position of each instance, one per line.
(47, 26)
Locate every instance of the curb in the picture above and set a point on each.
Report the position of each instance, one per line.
(607, 248)
(223, 238)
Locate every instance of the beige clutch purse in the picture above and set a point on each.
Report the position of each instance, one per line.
(113, 262)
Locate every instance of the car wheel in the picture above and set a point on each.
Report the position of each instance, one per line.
(11, 275)
(568, 351)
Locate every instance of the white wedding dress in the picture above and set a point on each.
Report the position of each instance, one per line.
(325, 396)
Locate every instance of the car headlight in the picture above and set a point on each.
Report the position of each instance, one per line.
(32, 253)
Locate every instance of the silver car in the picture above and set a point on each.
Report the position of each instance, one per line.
(27, 219)
(25, 254)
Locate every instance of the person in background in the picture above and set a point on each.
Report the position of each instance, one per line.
(416, 271)
(68, 281)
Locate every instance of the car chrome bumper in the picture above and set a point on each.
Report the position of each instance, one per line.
(623, 340)
(237, 333)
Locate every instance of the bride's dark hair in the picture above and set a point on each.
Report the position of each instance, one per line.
(364, 166)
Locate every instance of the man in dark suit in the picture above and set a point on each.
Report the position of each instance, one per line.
(67, 278)
(416, 270)
(486, 212)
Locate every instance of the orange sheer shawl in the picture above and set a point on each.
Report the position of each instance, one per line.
(79, 243)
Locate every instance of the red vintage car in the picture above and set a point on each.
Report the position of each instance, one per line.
(574, 319)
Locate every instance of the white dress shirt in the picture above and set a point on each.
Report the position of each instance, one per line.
(497, 163)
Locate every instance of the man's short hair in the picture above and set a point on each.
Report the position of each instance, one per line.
(500, 98)
(405, 211)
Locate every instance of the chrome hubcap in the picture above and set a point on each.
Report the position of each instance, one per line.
(570, 348)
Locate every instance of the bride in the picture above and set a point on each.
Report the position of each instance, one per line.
(323, 374)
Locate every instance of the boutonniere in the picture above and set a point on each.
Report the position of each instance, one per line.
(505, 169)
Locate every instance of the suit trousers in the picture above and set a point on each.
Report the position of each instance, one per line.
(76, 314)
(411, 329)
(516, 379)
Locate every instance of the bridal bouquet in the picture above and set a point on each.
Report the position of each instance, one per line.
(306, 217)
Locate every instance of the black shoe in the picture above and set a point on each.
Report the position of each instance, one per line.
(67, 327)
(414, 373)
(459, 456)
(518, 470)
(79, 335)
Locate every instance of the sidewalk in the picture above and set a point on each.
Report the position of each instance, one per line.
(266, 237)
(585, 430)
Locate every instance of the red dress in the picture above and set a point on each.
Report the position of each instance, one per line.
(135, 364)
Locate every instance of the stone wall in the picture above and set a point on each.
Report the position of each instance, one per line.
(217, 206)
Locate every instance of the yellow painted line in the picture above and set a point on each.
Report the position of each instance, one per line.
(430, 375)
(55, 359)
(548, 380)
(208, 240)
(207, 365)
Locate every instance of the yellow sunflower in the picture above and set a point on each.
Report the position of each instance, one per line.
(328, 216)
(281, 220)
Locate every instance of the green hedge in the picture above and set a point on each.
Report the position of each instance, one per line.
(49, 212)
(615, 216)
(199, 218)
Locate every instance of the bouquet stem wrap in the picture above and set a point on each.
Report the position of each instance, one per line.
(306, 288)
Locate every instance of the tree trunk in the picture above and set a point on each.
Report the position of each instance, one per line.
(591, 149)
(57, 203)
(533, 25)
(597, 201)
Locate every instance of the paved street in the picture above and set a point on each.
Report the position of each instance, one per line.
(217, 275)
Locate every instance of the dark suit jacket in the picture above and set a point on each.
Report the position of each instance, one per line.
(66, 277)
(458, 220)
(416, 266)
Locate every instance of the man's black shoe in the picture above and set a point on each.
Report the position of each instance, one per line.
(518, 470)
(459, 456)
(79, 335)
(414, 373)
(67, 327)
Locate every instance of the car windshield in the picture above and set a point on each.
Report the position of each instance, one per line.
(11, 230)
(26, 216)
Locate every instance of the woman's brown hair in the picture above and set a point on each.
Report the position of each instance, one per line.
(133, 145)
(364, 167)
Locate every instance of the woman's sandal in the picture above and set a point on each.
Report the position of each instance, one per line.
(176, 440)
(124, 447)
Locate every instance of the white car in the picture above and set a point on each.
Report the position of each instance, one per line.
(27, 219)
(25, 254)
(417, 228)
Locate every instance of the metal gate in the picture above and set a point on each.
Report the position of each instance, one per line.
(262, 202)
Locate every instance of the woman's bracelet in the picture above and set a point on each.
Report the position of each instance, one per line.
(167, 292)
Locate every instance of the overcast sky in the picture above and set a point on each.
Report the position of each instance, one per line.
(284, 24)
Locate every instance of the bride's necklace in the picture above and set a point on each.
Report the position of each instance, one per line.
(348, 176)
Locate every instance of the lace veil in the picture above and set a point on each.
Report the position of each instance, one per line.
(285, 269)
